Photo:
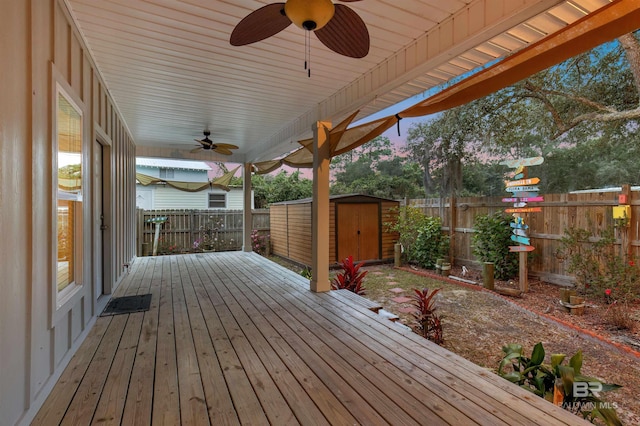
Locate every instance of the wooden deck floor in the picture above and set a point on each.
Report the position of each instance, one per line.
(232, 338)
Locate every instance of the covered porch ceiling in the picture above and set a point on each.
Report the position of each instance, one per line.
(172, 72)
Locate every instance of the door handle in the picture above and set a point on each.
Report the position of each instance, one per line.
(103, 227)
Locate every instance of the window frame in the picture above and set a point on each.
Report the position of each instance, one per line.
(63, 301)
(223, 194)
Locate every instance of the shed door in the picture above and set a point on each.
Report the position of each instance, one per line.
(358, 231)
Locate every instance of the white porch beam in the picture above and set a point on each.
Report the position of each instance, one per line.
(320, 208)
(479, 22)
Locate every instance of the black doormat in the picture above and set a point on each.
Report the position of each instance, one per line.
(127, 305)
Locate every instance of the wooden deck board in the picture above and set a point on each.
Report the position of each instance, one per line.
(232, 338)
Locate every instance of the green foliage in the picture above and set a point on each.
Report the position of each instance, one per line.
(350, 278)
(597, 267)
(427, 322)
(431, 244)
(491, 241)
(307, 273)
(555, 382)
(421, 236)
(269, 189)
(372, 169)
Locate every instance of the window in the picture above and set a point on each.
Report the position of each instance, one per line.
(68, 184)
(217, 201)
(166, 173)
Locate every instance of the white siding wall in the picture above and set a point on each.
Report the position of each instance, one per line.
(180, 175)
(36, 343)
(168, 198)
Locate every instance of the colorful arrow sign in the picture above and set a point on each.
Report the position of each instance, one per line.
(519, 225)
(522, 199)
(525, 194)
(521, 240)
(522, 189)
(519, 204)
(513, 249)
(524, 162)
(524, 210)
(520, 232)
(530, 181)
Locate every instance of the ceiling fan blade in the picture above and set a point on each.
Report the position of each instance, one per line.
(226, 145)
(265, 22)
(204, 142)
(348, 1)
(346, 33)
(196, 149)
(223, 151)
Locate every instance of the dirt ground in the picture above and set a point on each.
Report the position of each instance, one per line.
(477, 323)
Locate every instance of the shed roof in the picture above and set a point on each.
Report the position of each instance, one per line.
(342, 197)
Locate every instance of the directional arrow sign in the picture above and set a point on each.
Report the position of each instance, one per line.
(519, 176)
(530, 181)
(519, 225)
(521, 248)
(520, 204)
(522, 189)
(525, 194)
(524, 210)
(521, 240)
(514, 164)
(520, 232)
(522, 199)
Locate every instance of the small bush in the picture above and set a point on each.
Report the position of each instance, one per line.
(350, 278)
(491, 242)
(431, 244)
(427, 322)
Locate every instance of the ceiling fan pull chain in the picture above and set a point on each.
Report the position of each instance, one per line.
(309, 53)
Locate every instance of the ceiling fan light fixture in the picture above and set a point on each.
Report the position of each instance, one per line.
(309, 15)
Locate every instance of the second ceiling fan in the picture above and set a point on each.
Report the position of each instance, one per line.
(207, 144)
(337, 26)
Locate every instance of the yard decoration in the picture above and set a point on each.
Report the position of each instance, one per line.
(157, 221)
(350, 278)
(561, 384)
(523, 191)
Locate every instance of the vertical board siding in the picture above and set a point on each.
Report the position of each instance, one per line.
(37, 340)
(560, 212)
(291, 230)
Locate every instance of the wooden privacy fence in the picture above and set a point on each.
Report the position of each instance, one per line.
(196, 230)
(592, 211)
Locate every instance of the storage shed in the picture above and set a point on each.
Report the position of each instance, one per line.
(356, 227)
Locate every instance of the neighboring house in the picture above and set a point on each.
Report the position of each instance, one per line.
(162, 196)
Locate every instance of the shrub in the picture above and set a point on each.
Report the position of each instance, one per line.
(427, 322)
(409, 221)
(491, 241)
(259, 242)
(597, 267)
(350, 278)
(431, 244)
(555, 382)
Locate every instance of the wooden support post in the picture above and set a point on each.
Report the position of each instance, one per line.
(453, 223)
(487, 275)
(247, 217)
(320, 208)
(397, 253)
(523, 275)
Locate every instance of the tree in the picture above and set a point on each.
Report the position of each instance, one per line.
(374, 169)
(270, 189)
(441, 145)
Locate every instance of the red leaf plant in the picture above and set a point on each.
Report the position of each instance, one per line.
(350, 278)
(427, 322)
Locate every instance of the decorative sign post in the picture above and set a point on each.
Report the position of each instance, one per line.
(522, 191)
